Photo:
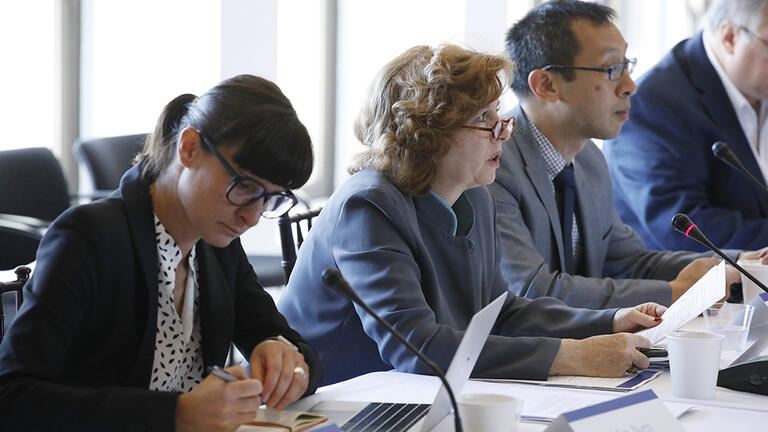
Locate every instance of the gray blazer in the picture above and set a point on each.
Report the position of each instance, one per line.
(618, 270)
(400, 254)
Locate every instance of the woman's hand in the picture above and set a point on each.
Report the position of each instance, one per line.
(600, 356)
(637, 318)
(274, 364)
(216, 405)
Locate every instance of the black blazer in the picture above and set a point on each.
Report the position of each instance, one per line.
(79, 354)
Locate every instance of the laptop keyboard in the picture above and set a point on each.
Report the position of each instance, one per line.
(386, 417)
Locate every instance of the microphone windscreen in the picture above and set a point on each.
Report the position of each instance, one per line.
(725, 154)
(720, 149)
(333, 279)
(331, 276)
(682, 222)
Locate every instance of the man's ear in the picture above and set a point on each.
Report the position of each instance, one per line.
(542, 85)
(726, 35)
(188, 146)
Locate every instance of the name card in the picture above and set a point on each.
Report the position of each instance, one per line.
(641, 411)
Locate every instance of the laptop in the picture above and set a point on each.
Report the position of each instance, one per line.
(405, 417)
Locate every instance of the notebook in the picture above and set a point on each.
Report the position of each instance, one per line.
(284, 421)
(403, 417)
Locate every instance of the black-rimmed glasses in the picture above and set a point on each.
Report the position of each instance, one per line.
(754, 35)
(245, 191)
(614, 71)
(497, 128)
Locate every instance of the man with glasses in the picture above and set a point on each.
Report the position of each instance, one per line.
(560, 235)
(711, 87)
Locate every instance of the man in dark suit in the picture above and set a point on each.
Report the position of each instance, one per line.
(712, 87)
(560, 235)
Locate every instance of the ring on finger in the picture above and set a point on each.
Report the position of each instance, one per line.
(300, 370)
(632, 370)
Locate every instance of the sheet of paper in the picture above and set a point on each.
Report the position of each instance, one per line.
(703, 294)
(625, 383)
(547, 409)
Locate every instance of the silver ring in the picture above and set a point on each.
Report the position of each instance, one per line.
(300, 370)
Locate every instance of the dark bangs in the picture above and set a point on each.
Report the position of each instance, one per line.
(277, 149)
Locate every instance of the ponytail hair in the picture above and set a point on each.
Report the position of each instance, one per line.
(247, 112)
(160, 145)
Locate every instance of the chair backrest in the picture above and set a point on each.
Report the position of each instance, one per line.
(106, 159)
(287, 224)
(16, 287)
(32, 184)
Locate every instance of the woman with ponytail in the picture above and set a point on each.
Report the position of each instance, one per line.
(134, 297)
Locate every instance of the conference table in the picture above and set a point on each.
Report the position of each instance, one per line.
(729, 411)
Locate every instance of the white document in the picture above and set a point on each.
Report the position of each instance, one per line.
(703, 294)
(547, 409)
(626, 383)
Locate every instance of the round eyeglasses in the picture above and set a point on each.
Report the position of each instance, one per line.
(245, 191)
(614, 71)
(497, 128)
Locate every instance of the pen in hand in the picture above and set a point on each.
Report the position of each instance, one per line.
(224, 375)
(221, 373)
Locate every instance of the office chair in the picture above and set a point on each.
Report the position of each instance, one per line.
(106, 159)
(34, 192)
(22, 276)
(287, 224)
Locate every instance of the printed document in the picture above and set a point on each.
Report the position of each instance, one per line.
(703, 294)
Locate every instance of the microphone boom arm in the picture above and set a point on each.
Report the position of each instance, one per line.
(332, 277)
(683, 224)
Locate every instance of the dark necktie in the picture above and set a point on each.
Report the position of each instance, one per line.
(565, 193)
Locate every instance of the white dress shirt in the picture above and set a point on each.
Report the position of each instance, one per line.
(755, 126)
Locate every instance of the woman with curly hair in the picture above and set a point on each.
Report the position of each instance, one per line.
(413, 230)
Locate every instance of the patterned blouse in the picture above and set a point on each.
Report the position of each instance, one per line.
(178, 361)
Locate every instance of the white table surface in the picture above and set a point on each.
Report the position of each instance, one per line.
(729, 411)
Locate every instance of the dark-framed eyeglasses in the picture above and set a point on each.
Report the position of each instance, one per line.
(497, 128)
(245, 191)
(754, 35)
(614, 71)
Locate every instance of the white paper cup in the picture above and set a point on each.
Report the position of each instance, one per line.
(758, 270)
(694, 360)
(489, 412)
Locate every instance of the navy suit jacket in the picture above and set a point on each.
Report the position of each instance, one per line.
(79, 354)
(662, 161)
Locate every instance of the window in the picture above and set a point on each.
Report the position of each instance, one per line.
(28, 76)
(137, 55)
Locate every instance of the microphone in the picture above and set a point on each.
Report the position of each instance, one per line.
(333, 279)
(748, 376)
(685, 225)
(725, 154)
